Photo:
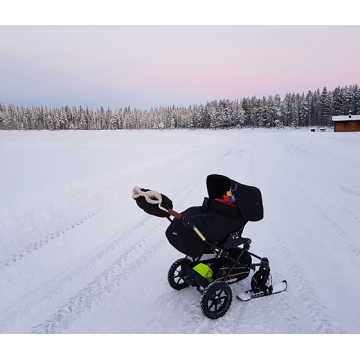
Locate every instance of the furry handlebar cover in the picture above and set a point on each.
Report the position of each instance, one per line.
(152, 202)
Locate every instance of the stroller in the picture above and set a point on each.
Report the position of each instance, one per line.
(210, 237)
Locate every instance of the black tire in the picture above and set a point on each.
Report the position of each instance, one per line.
(175, 276)
(216, 300)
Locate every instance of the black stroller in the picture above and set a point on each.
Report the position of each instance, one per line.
(210, 237)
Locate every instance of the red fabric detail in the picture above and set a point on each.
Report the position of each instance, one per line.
(226, 202)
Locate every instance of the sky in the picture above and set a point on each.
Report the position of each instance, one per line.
(149, 66)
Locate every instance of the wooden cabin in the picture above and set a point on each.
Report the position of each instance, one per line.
(346, 123)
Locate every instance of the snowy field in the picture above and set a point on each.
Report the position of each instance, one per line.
(78, 256)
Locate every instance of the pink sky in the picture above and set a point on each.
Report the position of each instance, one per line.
(152, 66)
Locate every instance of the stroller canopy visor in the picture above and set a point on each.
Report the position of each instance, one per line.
(248, 198)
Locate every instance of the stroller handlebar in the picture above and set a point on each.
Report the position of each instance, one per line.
(174, 214)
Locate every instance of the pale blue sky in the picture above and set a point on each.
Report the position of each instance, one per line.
(152, 66)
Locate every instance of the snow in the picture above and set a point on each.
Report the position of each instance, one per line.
(77, 256)
(346, 118)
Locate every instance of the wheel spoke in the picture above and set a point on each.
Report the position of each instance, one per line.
(177, 279)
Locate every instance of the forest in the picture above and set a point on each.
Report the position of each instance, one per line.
(316, 108)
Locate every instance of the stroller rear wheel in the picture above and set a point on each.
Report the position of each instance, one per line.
(175, 275)
(216, 299)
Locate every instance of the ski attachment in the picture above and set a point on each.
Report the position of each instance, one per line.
(249, 294)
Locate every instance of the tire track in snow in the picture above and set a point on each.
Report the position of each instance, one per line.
(146, 316)
(331, 224)
(346, 239)
(54, 287)
(315, 309)
(351, 246)
(21, 254)
(96, 291)
(314, 306)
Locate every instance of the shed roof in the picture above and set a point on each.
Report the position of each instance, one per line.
(346, 118)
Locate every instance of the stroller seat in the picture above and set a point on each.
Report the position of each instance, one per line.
(216, 220)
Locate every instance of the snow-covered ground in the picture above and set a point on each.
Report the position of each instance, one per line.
(78, 256)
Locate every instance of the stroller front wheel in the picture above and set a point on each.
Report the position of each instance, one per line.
(216, 299)
(175, 275)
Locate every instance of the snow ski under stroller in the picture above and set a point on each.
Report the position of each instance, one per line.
(210, 237)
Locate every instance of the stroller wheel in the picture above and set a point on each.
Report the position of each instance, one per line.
(216, 299)
(175, 278)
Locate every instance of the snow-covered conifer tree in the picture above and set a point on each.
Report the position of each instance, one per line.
(326, 108)
(356, 100)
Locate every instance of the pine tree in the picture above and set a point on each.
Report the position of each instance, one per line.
(348, 100)
(49, 121)
(2, 116)
(245, 104)
(254, 112)
(277, 110)
(316, 108)
(356, 100)
(326, 108)
(7, 122)
(305, 117)
(337, 103)
(287, 110)
(270, 112)
(213, 115)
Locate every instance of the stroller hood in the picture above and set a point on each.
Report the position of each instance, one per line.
(248, 198)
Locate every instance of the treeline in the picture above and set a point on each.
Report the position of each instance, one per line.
(313, 109)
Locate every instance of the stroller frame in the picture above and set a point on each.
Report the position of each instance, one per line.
(216, 292)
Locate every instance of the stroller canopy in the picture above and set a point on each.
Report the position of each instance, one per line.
(248, 198)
